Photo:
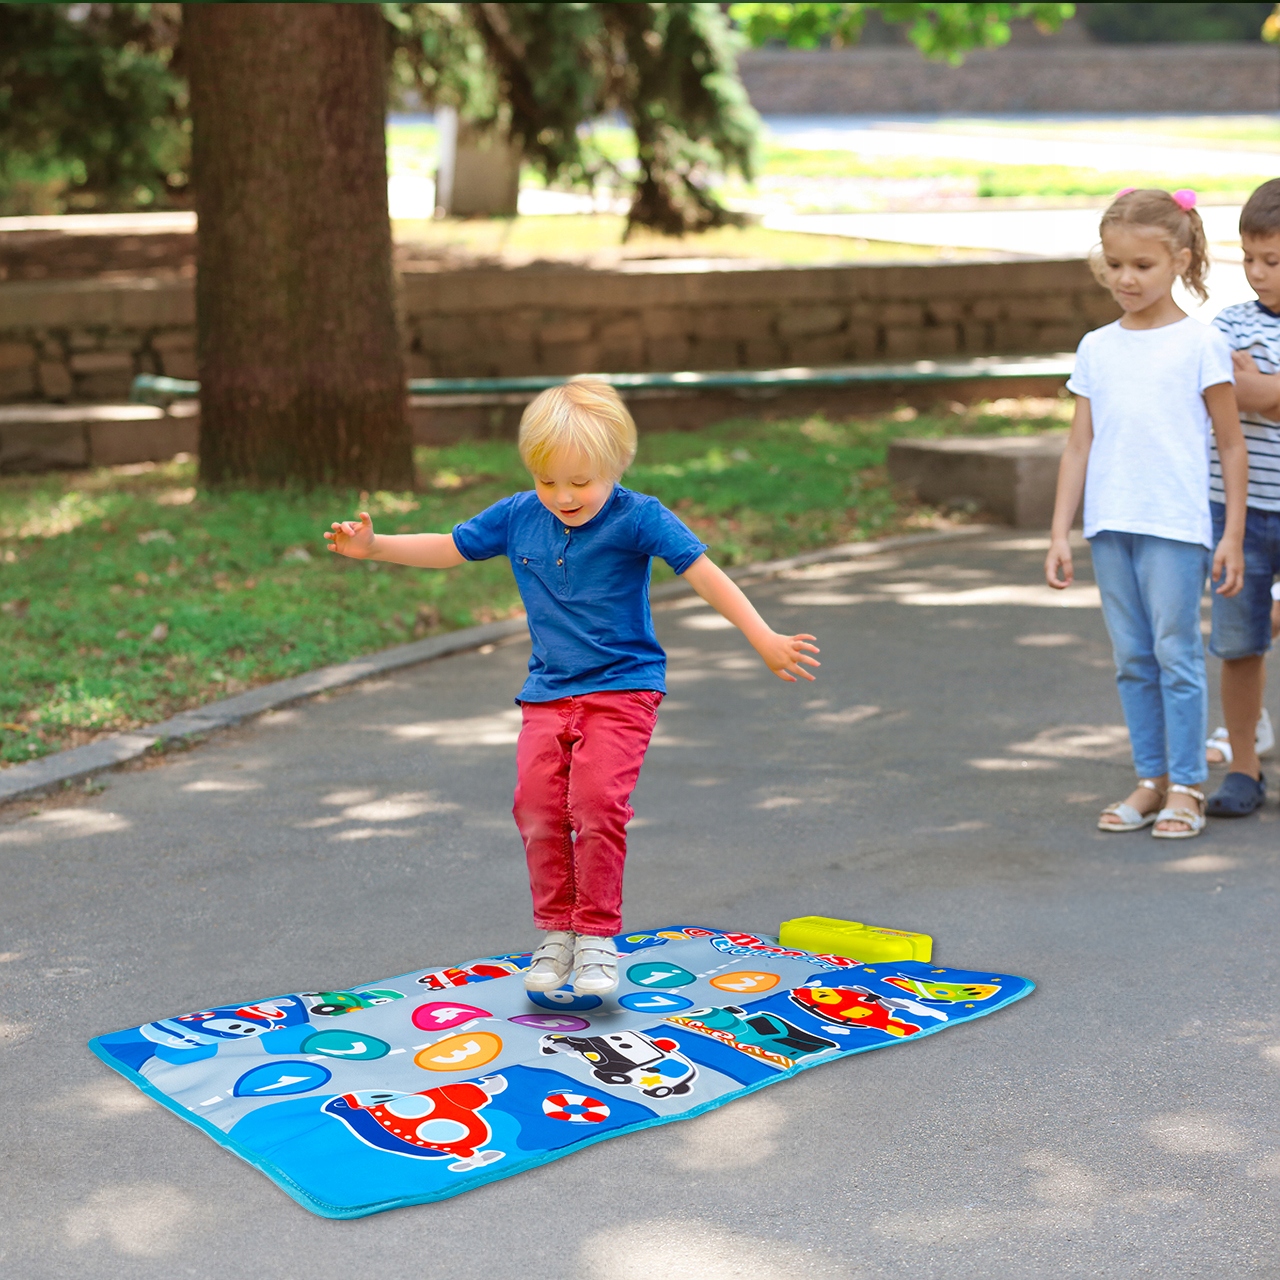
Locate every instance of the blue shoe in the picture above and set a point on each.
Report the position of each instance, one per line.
(1237, 797)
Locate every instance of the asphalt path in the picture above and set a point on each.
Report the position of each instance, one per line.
(942, 775)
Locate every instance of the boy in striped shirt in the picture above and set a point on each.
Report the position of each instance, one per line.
(1242, 623)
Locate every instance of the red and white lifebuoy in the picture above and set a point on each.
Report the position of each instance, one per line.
(577, 1108)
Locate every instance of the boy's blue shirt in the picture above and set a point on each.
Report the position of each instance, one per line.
(585, 589)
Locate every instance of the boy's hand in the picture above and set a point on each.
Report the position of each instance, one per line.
(1243, 362)
(784, 655)
(1228, 564)
(352, 538)
(1058, 561)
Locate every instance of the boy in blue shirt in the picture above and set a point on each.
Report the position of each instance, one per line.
(1241, 632)
(580, 546)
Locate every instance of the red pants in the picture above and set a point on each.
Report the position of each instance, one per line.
(577, 762)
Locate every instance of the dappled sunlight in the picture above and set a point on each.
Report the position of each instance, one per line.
(370, 833)
(779, 802)
(1026, 595)
(742, 1135)
(13, 1032)
(1202, 862)
(138, 1219)
(215, 784)
(828, 599)
(954, 828)
(842, 719)
(1047, 640)
(841, 568)
(692, 1249)
(499, 729)
(707, 622)
(65, 823)
(107, 1099)
(1195, 1133)
(346, 797)
(1015, 544)
(1267, 1167)
(409, 804)
(1078, 742)
(999, 764)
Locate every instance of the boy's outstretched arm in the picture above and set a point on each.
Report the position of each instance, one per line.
(785, 656)
(1256, 392)
(356, 538)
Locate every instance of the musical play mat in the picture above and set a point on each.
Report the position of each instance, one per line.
(424, 1086)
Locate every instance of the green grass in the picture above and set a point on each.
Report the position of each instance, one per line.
(128, 595)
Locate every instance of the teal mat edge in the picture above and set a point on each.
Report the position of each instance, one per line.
(325, 1210)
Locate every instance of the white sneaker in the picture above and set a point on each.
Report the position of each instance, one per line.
(552, 963)
(595, 966)
(1265, 739)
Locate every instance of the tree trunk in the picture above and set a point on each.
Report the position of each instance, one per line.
(301, 375)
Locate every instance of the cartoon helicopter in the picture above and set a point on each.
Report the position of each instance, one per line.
(435, 1124)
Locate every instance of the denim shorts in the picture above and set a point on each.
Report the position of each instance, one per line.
(1242, 623)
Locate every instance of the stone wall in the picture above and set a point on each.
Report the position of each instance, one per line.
(1138, 78)
(85, 340)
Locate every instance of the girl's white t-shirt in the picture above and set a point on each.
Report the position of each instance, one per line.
(1149, 462)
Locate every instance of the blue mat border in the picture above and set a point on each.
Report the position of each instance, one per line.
(504, 1169)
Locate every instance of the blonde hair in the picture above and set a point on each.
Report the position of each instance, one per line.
(585, 414)
(1181, 229)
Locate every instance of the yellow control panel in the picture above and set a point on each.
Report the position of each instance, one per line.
(866, 942)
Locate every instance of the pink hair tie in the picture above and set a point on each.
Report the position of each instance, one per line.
(1185, 199)
(1128, 191)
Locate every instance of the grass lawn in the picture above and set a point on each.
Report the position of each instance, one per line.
(127, 594)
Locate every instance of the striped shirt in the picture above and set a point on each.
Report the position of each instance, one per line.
(1249, 326)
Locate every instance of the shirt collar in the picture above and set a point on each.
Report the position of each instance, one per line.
(1266, 311)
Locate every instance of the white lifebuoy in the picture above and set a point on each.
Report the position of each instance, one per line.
(577, 1108)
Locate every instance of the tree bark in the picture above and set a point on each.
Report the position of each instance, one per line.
(301, 374)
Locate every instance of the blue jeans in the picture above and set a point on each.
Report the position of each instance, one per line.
(1151, 590)
(1242, 623)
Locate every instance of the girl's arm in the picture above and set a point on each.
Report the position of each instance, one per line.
(422, 550)
(1256, 392)
(1228, 558)
(1059, 572)
(783, 655)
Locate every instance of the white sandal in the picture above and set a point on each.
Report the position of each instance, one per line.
(595, 966)
(1193, 820)
(1130, 818)
(551, 964)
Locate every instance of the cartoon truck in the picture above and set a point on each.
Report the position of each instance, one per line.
(443, 979)
(852, 1006)
(766, 1032)
(627, 1057)
(333, 1004)
(435, 1124)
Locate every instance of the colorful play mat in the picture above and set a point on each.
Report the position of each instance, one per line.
(424, 1086)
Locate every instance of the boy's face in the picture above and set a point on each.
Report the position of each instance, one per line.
(1262, 268)
(570, 488)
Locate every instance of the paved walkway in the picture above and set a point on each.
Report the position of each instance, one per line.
(943, 775)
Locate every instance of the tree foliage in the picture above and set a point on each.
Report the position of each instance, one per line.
(93, 108)
(943, 31)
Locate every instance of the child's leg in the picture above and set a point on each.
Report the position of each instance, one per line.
(541, 810)
(1133, 644)
(1244, 681)
(614, 730)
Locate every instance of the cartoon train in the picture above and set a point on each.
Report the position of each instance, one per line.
(852, 1006)
(436, 1124)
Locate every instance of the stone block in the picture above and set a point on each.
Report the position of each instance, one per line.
(83, 340)
(39, 446)
(667, 322)
(569, 358)
(16, 355)
(804, 322)
(763, 353)
(517, 360)
(562, 326)
(715, 353)
(110, 385)
(619, 330)
(1061, 337)
(669, 355)
(1050, 306)
(17, 384)
(1012, 477)
(749, 322)
(902, 343)
(173, 340)
(939, 340)
(55, 380)
(418, 365)
(1097, 306)
(987, 308)
(900, 314)
(864, 341)
(817, 351)
(179, 364)
(112, 444)
(976, 338)
(620, 357)
(946, 310)
(101, 362)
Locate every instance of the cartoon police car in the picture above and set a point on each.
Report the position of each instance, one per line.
(333, 1004)
(763, 1030)
(626, 1057)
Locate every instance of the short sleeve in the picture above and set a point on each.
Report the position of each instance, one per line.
(662, 533)
(1078, 383)
(1222, 322)
(1215, 360)
(485, 535)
